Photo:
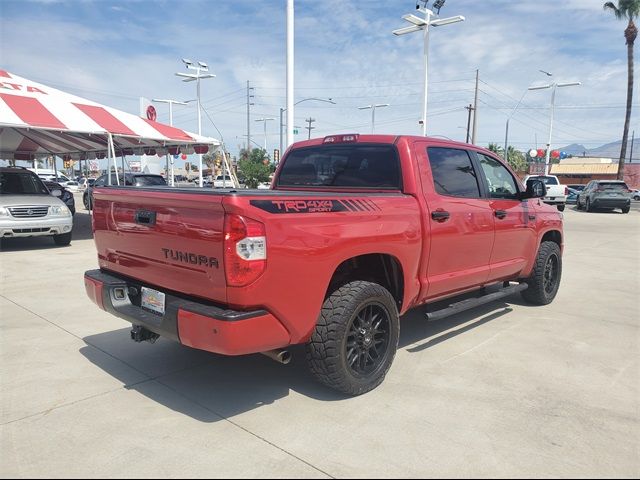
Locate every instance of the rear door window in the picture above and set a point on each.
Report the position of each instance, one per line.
(352, 166)
(453, 172)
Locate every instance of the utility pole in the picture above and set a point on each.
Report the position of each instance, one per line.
(470, 109)
(249, 97)
(475, 110)
(310, 121)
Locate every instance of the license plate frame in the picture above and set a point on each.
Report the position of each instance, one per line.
(153, 301)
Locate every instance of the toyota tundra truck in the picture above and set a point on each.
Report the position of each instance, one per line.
(355, 231)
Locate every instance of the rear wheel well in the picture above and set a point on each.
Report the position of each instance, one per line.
(552, 236)
(383, 269)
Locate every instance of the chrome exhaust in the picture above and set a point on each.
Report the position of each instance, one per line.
(279, 355)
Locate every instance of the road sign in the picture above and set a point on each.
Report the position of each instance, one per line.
(295, 131)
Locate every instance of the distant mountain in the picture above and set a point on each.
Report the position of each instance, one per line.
(609, 150)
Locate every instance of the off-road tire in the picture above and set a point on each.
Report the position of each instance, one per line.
(338, 337)
(560, 208)
(63, 239)
(587, 205)
(545, 277)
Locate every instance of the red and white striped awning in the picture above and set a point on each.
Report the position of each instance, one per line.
(36, 120)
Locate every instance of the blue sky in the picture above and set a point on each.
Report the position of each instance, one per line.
(114, 52)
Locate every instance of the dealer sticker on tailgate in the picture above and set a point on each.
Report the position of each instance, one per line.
(153, 300)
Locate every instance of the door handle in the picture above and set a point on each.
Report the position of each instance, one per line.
(440, 215)
(145, 217)
(500, 213)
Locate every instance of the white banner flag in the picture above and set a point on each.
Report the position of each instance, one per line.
(147, 110)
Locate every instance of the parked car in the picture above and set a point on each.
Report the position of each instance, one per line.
(355, 231)
(577, 186)
(28, 208)
(129, 180)
(223, 181)
(65, 195)
(572, 197)
(48, 174)
(635, 194)
(608, 194)
(72, 186)
(84, 183)
(556, 192)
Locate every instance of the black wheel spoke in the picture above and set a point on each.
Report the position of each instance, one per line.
(368, 339)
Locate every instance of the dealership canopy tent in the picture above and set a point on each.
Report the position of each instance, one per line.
(37, 120)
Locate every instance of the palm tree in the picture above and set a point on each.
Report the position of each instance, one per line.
(626, 10)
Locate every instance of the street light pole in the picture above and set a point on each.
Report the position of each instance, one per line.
(265, 120)
(424, 24)
(282, 110)
(553, 87)
(373, 113)
(190, 77)
(171, 103)
(506, 130)
(290, 66)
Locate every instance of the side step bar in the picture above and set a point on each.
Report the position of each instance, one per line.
(475, 302)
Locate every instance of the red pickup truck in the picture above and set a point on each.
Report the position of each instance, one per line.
(355, 231)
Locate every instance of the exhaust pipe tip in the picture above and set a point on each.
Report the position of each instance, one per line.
(279, 355)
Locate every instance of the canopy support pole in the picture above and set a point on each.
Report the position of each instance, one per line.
(112, 156)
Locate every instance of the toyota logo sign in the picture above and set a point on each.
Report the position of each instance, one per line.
(151, 113)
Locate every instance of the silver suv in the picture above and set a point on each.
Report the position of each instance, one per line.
(28, 209)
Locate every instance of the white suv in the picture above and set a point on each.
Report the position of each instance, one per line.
(28, 209)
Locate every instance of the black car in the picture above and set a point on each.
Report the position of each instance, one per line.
(129, 180)
(66, 196)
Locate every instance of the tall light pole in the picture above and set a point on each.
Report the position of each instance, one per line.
(506, 130)
(190, 77)
(171, 104)
(553, 87)
(290, 64)
(373, 113)
(265, 120)
(424, 24)
(282, 110)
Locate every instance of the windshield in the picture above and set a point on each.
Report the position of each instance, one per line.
(352, 166)
(149, 181)
(619, 186)
(547, 180)
(21, 183)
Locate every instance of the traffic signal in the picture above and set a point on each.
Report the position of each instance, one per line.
(276, 155)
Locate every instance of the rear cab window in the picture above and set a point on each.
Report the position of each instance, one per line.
(362, 166)
(547, 180)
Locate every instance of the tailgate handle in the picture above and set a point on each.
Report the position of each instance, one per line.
(145, 217)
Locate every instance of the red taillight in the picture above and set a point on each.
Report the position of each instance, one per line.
(341, 138)
(245, 250)
(566, 190)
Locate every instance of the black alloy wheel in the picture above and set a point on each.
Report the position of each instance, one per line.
(368, 340)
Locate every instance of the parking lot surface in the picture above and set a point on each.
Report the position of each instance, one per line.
(501, 391)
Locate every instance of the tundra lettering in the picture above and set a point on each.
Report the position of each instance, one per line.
(187, 257)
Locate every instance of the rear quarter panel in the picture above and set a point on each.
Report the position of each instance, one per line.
(305, 248)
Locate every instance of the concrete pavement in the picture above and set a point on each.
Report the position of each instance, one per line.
(508, 390)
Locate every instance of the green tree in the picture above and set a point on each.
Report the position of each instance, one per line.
(497, 149)
(626, 10)
(254, 167)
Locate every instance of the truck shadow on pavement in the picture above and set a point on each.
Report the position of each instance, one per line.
(210, 387)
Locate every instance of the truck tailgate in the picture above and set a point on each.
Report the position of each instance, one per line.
(169, 239)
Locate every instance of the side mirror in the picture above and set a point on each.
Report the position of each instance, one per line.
(56, 192)
(535, 189)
